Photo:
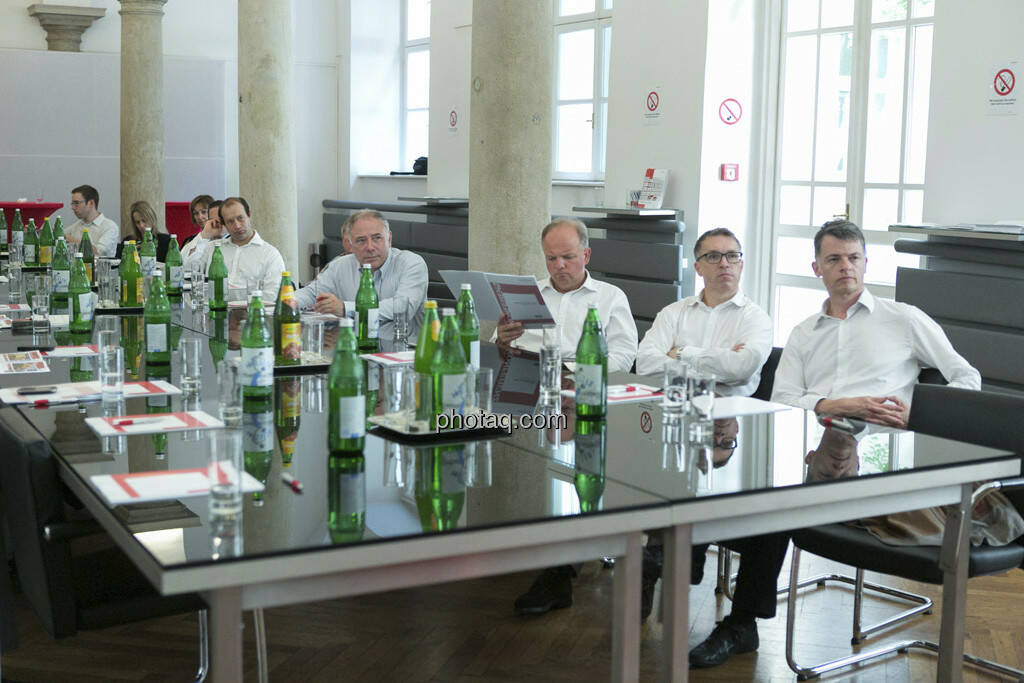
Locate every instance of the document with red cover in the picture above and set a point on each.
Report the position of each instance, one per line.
(516, 296)
(152, 423)
(143, 487)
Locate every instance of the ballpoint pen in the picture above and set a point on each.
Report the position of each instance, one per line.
(137, 421)
(293, 483)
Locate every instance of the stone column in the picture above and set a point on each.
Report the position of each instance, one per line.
(266, 143)
(510, 133)
(65, 24)
(142, 106)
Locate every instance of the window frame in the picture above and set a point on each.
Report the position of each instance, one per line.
(408, 47)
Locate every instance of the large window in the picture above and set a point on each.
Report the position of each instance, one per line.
(583, 36)
(415, 81)
(853, 117)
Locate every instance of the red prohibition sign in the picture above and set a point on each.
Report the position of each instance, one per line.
(453, 118)
(652, 100)
(730, 111)
(1004, 82)
(646, 423)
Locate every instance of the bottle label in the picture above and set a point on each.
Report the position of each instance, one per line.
(18, 237)
(288, 444)
(61, 281)
(453, 472)
(350, 412)
(291, 340)
(156, 337)
(288, 297)
(588, 453)
(373, 323)
(453, 393)
(88, 271)
(435, 329)
(474, 354)
(176, 275)
(45, 255)
(589, 387)
(30, 253)
(138, 290)
(85, 306)
(148, 265)
(291, 404)
(160, 401)
(352, 493)
(258, 432)
(257, 367)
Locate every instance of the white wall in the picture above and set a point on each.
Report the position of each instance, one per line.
(451, 37)
(974, 171)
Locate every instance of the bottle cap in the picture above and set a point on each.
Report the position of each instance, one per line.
(285, 273)
(592, 305)
(345, 322)
(430, 304)
(447, 311)
(467, 286)
(366, 265)
(257, 292)
(78, 254)
(157, 273)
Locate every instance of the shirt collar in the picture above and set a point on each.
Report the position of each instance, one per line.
(256, 239)
(865, 299)
(384, 267)
(737, 300)
(94, 221)
(588, 284)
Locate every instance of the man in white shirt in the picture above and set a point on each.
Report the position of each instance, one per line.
(246, 255)
(857, 357)
(194, 249)
(719, 331)
(567, 292)
(103, 232)
(398, 275)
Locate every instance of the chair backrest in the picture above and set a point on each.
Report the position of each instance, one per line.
(33, 497)
(764, 388)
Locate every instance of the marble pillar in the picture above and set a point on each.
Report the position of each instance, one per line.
(266, 143)
(65, 24)
(510, 132)
(142, 107)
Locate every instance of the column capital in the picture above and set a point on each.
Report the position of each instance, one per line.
(65, 24)
(142, 7)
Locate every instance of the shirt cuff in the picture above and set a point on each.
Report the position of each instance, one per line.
(809, 401)
(350, 309)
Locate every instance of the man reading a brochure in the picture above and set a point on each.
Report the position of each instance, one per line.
(567, 292)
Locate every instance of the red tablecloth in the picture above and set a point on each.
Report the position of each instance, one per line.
(179, 221)
(37, 211)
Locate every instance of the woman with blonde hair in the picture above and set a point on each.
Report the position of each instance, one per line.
(143, 216)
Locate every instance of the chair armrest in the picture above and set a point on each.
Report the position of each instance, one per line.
(64, 531)
(998, 485)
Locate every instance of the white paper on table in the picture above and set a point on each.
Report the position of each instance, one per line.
(70, 392)
(5, 322)
(22, 362)
(517, 296)
(392, 358)
(740, 406)
(141, 487)
(72, 351)
(8, 308)
(625, 393)
(59, 322)
(153, 423)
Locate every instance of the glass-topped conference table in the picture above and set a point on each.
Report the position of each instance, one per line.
(412, 511)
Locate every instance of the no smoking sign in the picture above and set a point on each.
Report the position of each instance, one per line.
(1004, 82)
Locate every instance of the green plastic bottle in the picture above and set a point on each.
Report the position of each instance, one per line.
(257, 370)
(287, 324)
(157, 318)
(147, 253)
(31, 242)
(218, 276)
(346, 497)
(83, 368)
(368, 307)
(258, 439)
(424, 356)
(131, 277)
(88, 256)
(61, 273)
(219, 338)
(80, 294)
(346, 386)
(448, 368)
(175, 273)
(4, 234)
(58, 228)
(46, 244)
(288, 415)
(469, 325)
(590, 450)
(591, 369)
(17, 229)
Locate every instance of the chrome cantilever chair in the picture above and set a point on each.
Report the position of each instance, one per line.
(976, 417)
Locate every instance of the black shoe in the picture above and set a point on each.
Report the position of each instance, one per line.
(729, 638)
(652, 562)
(551, 590)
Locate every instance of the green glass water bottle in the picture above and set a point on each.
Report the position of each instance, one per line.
(160, 403)
(31, 243)
(346, 497)
(448, 368)
(4, 236)
(157, 318)
(219, 338)
(61, 273)
(591, 369)
(257, 370)
(424, 356)
(218, 277)
(590, 450)
(258, 439)
(447, 485)
(131, 339)
(346, 386)
(174, 275)
(287, 324)
(80, 294)
(131, 277)
(147, 253)
(368, 307)
(88, 255)
(58, 228)
(46, 244)
(17, 230)
(83, 368)
(469, 325)
(288, 415)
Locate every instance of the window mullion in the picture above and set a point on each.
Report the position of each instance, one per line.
(907, 72)
(857, 140)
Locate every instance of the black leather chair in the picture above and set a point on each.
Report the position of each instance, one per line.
(977, 417)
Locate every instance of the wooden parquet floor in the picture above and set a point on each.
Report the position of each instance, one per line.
(466, 633)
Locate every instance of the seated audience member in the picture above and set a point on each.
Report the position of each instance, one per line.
(397, 273)
(194, 249)
(103, 232)
(198, 209)
(568, 290)
(144, 217)
(719, 331)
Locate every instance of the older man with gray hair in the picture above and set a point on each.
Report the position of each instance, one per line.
(396, 273)
(568, 291)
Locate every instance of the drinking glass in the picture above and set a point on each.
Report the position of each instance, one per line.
(393, 469)
(224, 469)
(230, 400)
(191, 364)
(676, 387)
(550, 363)
(109, 282)
(113, 445)
(111, 373)
(191, 402)
(197, 297)
(313, 340)
(480, 385)
(478, 464)
(16, 254)
(399, 390)
(14, 283)
(252, 285)
(702, 395)
(42, 283)
(424, 403)
(400, 318)
(700, 443)
(40, 312)
(313, 387)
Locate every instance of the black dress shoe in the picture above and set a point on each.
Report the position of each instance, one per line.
(551, 590)
(729, 638)
(653, 558)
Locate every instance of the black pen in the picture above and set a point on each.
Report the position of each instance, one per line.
(36, 348)
(292, 482)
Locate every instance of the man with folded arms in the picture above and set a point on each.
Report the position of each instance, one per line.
(568, 290)
(397, 274)
(857, 357)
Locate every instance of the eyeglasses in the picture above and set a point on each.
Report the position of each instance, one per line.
(728, 444)
(714, 257)
(77, 202)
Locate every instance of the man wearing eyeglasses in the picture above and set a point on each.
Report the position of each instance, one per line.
(718, 331)
(103, 232)
(397, 274)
